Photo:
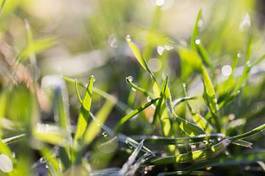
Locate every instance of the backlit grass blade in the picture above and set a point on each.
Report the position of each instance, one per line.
(210, 96)
(196, 28)
(139, 57)
(198, 141)
(53, 162)
(13, 138)
(37, 46)
(134, 113)
(197, 118)
(187, 127)
(120, 105)
(95, 126)
(129, 80)
(51, 134)
(194, 156)
(61, 107)
(84, 111)
(182, 99)
(254, 131)
(136, 53)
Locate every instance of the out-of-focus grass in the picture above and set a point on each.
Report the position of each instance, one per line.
(194, 102)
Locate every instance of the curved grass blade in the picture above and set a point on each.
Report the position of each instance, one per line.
(122, 106)
(94, 127)
(194, 156)
(197, 118)
(129, 80)
(252, 132)
(182, 99)
(136, 53)
(134, 113)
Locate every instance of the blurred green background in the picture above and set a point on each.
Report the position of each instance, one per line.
(41, 40)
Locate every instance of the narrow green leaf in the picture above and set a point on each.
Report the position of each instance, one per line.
(134, 113)
(129, 80)
(84, 110)
(136, 52)
(53, 163)
(95, 126)
(51, 134)
(194, 156)
(210, 96)
(36, 47)
(254, 131)
(195, 33)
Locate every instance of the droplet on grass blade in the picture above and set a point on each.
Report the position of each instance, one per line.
(112, 41)
(245, 23)
(6, 164)
(160, 50)
(128, 38)
(197, 41)
(159, 2)
(226, 70)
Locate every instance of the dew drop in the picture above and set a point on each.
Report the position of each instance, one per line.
(104, 134)
(160, 50)
(245, 23)
(197, 41)
(160, 2)
(238, 55)
(6, 164)
(113, 42)
(129, 78)
(226, 70)
(128, 38)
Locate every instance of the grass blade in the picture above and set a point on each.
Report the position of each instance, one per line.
(95, 126)
(84, 111)
(134, 113)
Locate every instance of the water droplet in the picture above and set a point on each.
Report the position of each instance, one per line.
(154, 64)
(129, 78)
(238, 55)
(104, 134)
(113, 42)
(46, 166)
(245, 23)
(160, 2)
(226, 70)
(42, 160)
(160, 50)
(6, 164)
(128, 38)
(197, 41)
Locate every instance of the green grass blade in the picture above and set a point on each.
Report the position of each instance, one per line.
(129, 80)
(210, 96)
(195, 33)
(95, 126)
(84, 111)
(136, 53)
(252, 132)
(51, 134)
(194, 156)
(134, 113)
